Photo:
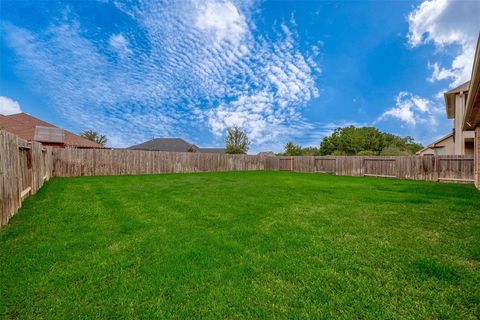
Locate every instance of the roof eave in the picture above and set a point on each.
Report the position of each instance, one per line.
(434, 143)
(472, 119)
(450, 105)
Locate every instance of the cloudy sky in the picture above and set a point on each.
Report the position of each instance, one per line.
(281, 70)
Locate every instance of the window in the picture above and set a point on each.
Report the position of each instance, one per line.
(440, 151)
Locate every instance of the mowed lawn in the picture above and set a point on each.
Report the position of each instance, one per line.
(243, 245)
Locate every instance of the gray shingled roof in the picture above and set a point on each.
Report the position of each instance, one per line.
(173, 145)
(266, 154)
(164, 144)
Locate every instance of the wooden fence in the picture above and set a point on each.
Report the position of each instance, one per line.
(95, 162)
(24, 167)
(432, 168)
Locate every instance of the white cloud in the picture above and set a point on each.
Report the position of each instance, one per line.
(285, 81)
(446, 23)
(452, 28)
(9, 106)
(224, 20)
(411, 109)
(193, 66)
(419, 117)
(119, 43)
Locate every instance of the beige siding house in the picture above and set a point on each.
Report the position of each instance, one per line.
(456, 104)
(463, 105)
(460, 140)
(441, 147)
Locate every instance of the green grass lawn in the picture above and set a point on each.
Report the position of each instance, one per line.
(243, 245)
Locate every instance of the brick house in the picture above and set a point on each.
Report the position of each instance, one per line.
(30, 128)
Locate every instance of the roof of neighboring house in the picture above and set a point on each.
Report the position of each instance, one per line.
(165, 144)
(472, 111)
(212, 150)
(450, 98)
(173, 145)
(23, 125)
(434, 143)
(266, 154)
(424, 150)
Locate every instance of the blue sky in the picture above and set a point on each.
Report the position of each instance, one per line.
(281, 70)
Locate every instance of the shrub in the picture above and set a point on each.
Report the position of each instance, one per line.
(367, 153)
(392, 150)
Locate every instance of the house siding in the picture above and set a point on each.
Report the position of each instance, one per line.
(448, 146)
(459, 115)
(477, 157)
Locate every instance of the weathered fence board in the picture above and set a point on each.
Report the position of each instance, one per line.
(325, 165)
(24, 167)
(286, 164)
(432, 168)
(380, 167)
(95, 162)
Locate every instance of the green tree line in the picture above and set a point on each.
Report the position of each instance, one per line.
(366, 141)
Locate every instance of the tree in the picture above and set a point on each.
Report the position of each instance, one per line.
(236, 141)
(310, 151)
(328, 146)
(292, 149)
(365, 140)
(95, 137)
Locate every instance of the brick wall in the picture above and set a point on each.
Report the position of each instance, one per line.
(477, 157)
